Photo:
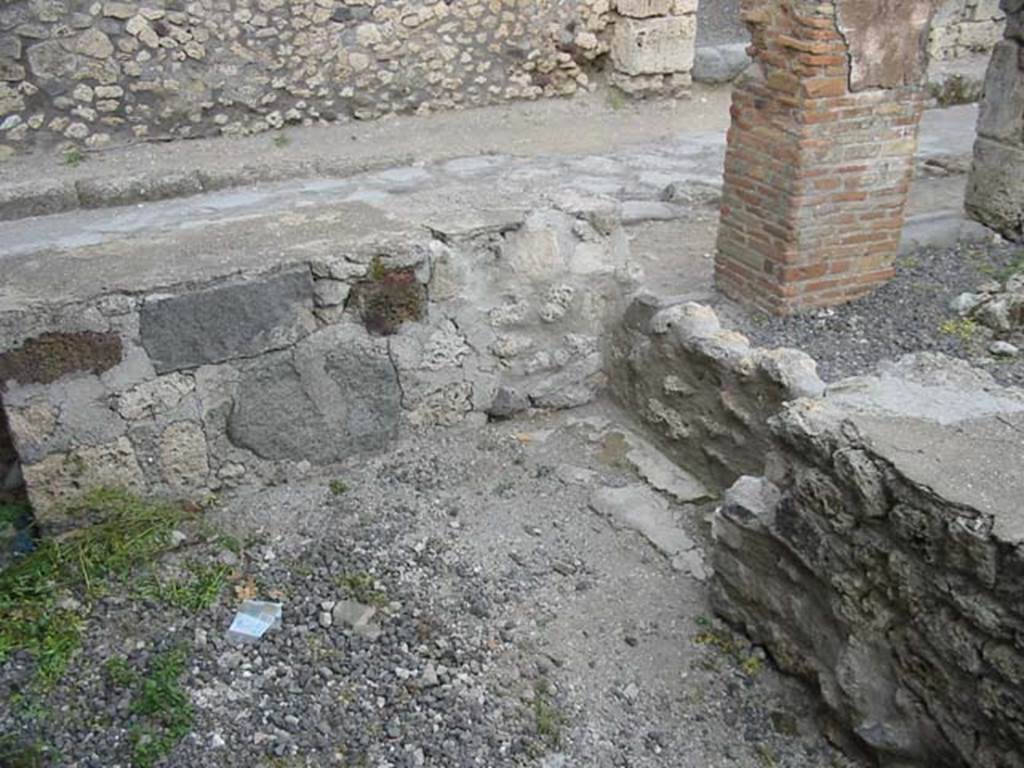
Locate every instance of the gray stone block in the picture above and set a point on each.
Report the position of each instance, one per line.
(334, 396)
(229, 321)
(720, 63)
(1002, 112)
(995, 189)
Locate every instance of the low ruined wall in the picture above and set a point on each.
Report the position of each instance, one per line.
(703, 389)
(875, 543)
(93, 73)
(962, 28)
(199, 387)
(883, 561)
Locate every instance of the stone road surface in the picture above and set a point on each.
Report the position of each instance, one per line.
(674, 245)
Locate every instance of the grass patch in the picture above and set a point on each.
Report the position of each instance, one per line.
(120, 672)
(1003, 273)
(17, 753)
(195, 593)
(45, 595)
(13, 514)
(360, 588)
(73, 157)
(338, 487)
(729, 646)
(765, 757)
(281, 140)
(162, 705)
(547, 718)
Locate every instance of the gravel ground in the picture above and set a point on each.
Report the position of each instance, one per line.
(718, 22)
(515, 627)
(909, 314)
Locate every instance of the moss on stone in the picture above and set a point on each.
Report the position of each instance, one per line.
(49, 356)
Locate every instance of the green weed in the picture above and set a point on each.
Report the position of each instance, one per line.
(120, 672)
(377, 270)
(547, 718)
(963, 328)
(195, 593)
(338, 487)
(359, 587)
(16, 753)
(162, 705)
(729, 646)
(13, 514)
(281, 140)
(73, 157)
(45, 595)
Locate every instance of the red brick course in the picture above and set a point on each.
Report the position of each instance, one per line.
(816, 175)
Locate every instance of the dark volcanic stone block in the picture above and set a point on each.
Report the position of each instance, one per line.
(229, 321)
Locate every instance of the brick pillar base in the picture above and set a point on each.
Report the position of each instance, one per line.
(820, 151)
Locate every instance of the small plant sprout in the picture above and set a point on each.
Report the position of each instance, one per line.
(73, 157)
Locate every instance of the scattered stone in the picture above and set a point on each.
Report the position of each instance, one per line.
(641, 509)
(355, 616)
(430, 678)
(1003, 349)
(663, 474)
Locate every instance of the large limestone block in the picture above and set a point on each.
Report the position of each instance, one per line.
(61, 477)
(654, 46)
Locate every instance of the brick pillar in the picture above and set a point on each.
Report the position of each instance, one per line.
(995, 190)
(820, 150)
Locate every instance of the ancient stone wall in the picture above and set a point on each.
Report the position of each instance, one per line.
(965, 27)
(883, 561)
(95, 72)
(702, 388)
(995, 190)
(820, 150)
(875, 542)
